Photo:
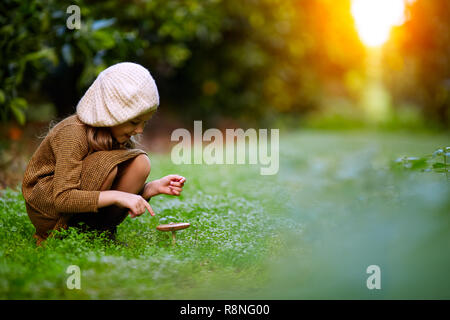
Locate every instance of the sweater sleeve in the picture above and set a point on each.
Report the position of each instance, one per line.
(70, 147)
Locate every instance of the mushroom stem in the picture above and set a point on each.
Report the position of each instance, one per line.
(173, 238)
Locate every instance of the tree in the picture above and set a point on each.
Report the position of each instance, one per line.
(418, 60)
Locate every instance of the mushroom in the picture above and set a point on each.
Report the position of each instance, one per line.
(173, 227)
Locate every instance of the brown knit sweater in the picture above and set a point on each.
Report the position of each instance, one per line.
(58, 182)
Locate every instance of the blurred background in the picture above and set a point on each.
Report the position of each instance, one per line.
(360, 90)
(287, 64)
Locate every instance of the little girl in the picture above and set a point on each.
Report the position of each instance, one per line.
(87, 172)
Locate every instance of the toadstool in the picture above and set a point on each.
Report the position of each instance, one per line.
(173, 227)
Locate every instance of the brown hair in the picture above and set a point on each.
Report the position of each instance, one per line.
(99, 138)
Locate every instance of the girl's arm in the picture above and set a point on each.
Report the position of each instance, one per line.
(69, 148)
(171, 185)
(108, 198)
(134, 202)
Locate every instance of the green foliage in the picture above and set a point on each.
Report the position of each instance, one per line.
(438, 161)
(252, 60)
(233, 235)
(236, 58)
(24, 27)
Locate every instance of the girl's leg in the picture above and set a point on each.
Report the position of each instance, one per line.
(132, 175)
(109, 179)
(129, 176)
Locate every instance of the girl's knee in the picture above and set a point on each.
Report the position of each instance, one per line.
(142, 163)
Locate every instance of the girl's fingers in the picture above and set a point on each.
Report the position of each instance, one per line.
(137, 212)
(175, 191)
(149, 208)
(175, 177)
(176, 184)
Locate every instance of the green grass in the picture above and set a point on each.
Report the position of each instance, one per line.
(338, 205)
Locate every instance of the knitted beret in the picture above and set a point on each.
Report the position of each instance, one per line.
(119, 94)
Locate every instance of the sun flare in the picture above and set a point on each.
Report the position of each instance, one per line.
(375, 18)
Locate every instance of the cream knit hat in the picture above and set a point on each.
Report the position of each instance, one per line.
(120, 93)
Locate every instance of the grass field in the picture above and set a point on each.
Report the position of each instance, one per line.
(338, 204)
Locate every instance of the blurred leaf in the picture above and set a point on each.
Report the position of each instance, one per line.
(103, 39)
(47, 53)
(2, 97)
(18, 105)
(177, 54)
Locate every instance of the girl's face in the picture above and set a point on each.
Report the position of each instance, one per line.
(124, 131)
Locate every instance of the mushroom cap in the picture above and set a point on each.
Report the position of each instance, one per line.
(173, 226)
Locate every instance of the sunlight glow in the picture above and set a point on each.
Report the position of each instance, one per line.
(375, 18)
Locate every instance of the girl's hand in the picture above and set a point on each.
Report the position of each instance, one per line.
(135, 203)
(171, 185)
